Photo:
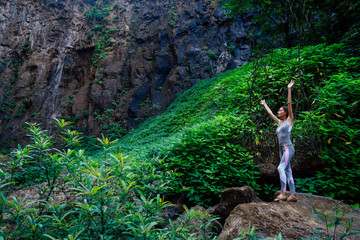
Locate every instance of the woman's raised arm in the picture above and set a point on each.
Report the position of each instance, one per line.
(291, 115)
(262, 102)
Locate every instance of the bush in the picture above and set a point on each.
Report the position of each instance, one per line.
(231, 49)
(212, 55)
(97, 28)
(335, 124)
(115, 130)
(112, 197)
(209, 158)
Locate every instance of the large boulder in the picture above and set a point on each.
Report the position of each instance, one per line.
(231, 197)
(294, 220)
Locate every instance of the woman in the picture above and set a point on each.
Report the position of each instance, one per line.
(286, 148)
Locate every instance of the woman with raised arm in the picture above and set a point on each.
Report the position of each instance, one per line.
(287, 150)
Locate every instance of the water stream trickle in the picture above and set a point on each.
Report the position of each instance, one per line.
(52, 96)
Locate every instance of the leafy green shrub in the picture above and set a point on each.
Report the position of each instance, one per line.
(108, 113)
(115, 130)
(212, 55)
(99, 15)
(99, 11)
(231, 49)
(111, 31)
(111, 197)
(26, 46)
(172, 15)
(209, 158)
(333, 220)
(100, 47)
(97, 28)
(307, 185)
(335, 122)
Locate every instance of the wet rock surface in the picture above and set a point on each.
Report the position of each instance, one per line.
(154, 51)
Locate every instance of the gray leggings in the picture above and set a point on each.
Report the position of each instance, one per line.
(284, 168)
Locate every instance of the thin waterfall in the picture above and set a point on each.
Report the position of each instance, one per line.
(52, 96)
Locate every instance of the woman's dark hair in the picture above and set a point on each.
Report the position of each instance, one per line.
(286, 110)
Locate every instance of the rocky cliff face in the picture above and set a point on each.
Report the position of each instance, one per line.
(109, 64)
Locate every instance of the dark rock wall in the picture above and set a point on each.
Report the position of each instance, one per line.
(157, 49)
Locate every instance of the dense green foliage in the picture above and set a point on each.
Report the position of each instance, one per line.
(214, 136)
(290, 23)
(219, 124)
(86, 198)
(99, 11)
(210, 159)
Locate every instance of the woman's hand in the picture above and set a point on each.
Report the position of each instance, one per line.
(291, 84)
(262, 102)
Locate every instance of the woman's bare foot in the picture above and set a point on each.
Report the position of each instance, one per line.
(292, 198)
(282, 196)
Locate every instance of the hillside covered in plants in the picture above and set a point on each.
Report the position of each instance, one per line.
(212, 137)
(143, 182)
(217, 135)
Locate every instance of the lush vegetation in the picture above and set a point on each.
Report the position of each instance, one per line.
(302, 22)
(214, 135)
(99, 11)
(85, 198)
